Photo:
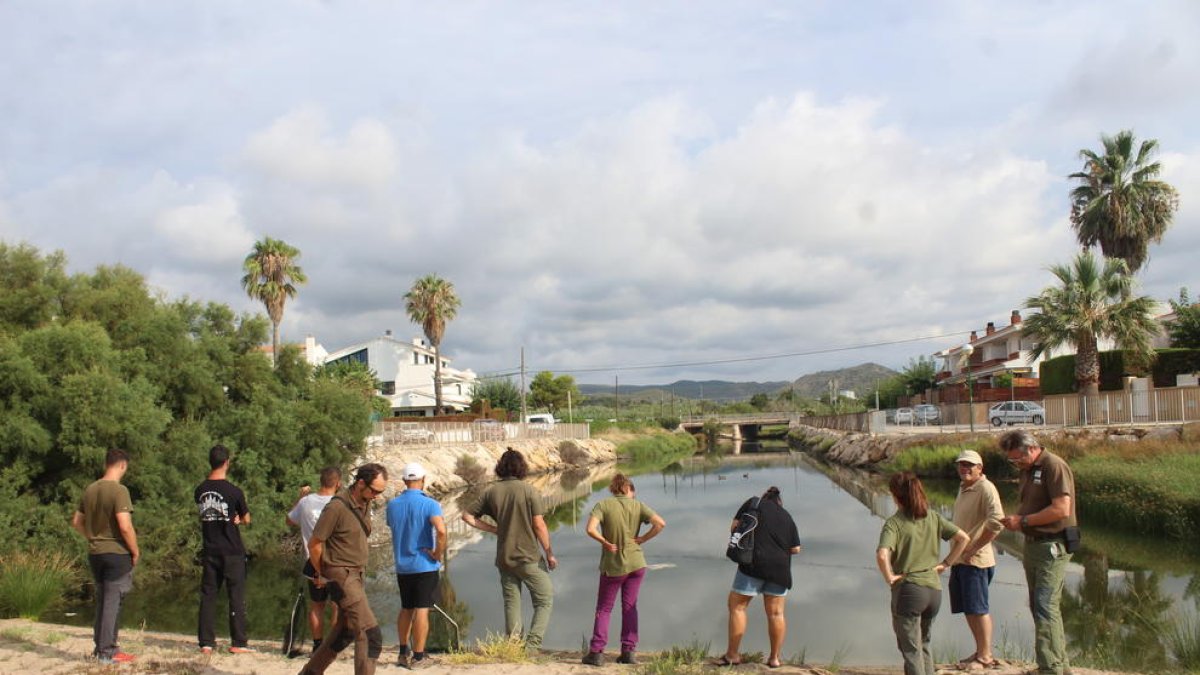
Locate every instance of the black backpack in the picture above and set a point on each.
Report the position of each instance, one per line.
(741, 541)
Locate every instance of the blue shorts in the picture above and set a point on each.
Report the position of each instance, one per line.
(969, 589)
(744, 584)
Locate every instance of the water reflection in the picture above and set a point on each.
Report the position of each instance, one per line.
(1120, 591)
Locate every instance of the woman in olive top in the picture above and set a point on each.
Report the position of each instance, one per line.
(615, 523)
(908, 559)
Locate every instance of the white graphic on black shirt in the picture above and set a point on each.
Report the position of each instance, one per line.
(213, 507)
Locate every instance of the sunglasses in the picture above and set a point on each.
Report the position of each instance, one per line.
(374, 492)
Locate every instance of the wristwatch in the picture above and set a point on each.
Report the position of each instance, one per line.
(1024, 521)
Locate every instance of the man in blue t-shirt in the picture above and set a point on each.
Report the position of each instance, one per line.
(419, 544)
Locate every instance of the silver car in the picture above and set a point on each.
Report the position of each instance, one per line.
(1017, 412)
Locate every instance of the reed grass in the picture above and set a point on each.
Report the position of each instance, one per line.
(658, 448)
(1155, 494)
(32, 581)
(1183, 641)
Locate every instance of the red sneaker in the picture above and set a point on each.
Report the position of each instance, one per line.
(242, 650)
(122, 657)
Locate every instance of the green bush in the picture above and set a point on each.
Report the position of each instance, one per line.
(1155, 495)
(938, 461)
(669, 423)
(660, 449)
(30, 582)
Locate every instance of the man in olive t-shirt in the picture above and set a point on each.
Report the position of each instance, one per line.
(516, 509)
(1047, 509)
(104, 517)
(338, 552)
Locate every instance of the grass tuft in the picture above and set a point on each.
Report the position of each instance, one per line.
(30, 582)
(492, 648)
(1183, 641)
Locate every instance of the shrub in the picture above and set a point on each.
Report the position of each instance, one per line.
(669, 423)
(469, 469)
(30, 582)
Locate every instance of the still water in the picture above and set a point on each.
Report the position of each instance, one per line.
(1119, 590)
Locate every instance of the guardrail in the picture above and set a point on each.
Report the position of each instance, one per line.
(450, 433)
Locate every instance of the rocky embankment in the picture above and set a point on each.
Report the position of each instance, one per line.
(864, 450)
(543, 454)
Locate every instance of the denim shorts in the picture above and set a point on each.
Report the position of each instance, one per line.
(969, 589)
(744, 584)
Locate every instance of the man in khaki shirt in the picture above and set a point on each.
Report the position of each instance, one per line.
(978, 511)
(338, 552)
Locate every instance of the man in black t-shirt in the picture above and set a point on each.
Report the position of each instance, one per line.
(222, 509)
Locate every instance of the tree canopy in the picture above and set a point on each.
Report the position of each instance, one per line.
(432, 303)
(1185, 329)
(271, 276)
(1119, 202)
(550, 392)
(1093, 300)
(96, 360)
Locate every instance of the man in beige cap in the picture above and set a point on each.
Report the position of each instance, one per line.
(977, 511)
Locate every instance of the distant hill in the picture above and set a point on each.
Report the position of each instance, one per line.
(861, 379)
(710, 390)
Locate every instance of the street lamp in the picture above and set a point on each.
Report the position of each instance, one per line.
(967, 351)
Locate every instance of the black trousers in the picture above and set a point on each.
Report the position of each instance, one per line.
(231, 571)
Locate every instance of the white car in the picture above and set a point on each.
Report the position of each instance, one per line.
(411, 432)
(540, 424)
(1017, 412)
(904, 416)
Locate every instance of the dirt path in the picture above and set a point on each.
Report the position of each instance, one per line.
(55, 649)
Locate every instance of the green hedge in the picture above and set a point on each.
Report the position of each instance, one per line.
(1057, 375)
(1171, 362)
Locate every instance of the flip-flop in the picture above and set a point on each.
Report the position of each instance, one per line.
(724, 662)
(978, 664)
(967, 659)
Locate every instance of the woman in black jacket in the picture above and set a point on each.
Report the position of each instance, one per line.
(776, 540)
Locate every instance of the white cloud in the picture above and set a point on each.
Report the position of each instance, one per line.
(207, 230)
(297, 148)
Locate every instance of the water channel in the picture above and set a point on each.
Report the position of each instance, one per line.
(1120, 589)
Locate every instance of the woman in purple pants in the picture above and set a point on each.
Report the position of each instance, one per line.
(615, 523)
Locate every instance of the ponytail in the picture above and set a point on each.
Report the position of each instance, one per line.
(909, 494)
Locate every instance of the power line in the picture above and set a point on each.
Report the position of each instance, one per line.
(740, 359)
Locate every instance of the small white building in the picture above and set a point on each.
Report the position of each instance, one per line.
(998, 350)
(406, 371)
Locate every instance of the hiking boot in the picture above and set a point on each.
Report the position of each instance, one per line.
(627, 658)
(419, 662)
(593, 659)
(402, 657)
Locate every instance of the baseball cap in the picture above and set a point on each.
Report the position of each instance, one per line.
(969, 456)
(413, 471)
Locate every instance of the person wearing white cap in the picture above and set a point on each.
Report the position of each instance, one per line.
(419, 544)
(978, 512)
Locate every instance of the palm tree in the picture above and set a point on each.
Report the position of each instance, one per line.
(1092, 302)
(1119, 203)
(431, 303)
(272, 276)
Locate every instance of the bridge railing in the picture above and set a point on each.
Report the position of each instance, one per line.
(744, 418)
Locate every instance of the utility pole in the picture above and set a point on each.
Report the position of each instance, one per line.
(616, 398)
(524, 410)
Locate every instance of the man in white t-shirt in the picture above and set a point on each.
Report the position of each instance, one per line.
(304, 515)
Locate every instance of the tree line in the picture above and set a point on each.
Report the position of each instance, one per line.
(96, 360)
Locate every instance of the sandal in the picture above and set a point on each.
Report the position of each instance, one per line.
(978, 664)
(967, 660)
(724, 662)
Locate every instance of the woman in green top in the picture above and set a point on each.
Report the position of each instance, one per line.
(615, 523)
(908, 559)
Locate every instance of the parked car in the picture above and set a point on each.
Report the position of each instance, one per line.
(927, 413)
(540, 424)
(1017, 412)
(904, 416)
(487, 430)
(411, 432)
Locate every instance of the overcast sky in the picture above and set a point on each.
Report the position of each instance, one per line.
(607, 184)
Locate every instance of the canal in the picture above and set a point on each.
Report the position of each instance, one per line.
(1121, 590)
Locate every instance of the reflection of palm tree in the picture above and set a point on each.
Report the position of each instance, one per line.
(1116, 627)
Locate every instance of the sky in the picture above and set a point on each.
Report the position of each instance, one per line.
(642, 191)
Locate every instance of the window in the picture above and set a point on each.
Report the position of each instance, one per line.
(387, 388)
(359, 356)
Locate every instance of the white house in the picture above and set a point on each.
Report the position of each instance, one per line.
(406, 371)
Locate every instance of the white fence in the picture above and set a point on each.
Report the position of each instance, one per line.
(449, 433)
(1166, 405)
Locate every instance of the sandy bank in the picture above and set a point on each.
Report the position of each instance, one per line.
(54, 649)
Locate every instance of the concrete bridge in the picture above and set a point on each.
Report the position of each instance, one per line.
(746, 426)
